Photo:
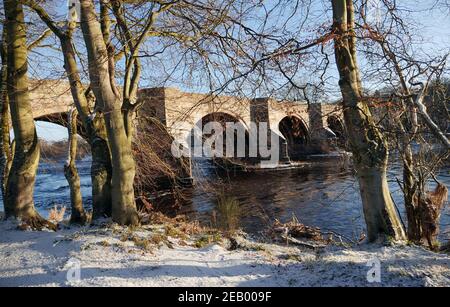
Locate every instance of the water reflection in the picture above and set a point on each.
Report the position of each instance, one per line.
(318, 197)
(326, 197)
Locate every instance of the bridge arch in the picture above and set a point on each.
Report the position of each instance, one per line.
(61, 119)
(336, 125)
(222, 117)
(296, 134)
(240, 133)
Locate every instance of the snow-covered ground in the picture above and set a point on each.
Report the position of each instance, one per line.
(114, 257)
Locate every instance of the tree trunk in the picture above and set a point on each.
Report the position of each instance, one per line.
(124, 206)
(369, 148)
(101, 170)
(101, 176)
(20, 186)
(422, 211)
(410, 197)
(101, 72)
(78, 216)
(3, 102)
(5, 147)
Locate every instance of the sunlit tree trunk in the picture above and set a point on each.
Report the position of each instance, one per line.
(78, 216)
(101, 170)
(3, 101)
(370, 153)
(5, 148)
(101, 72)
(410, 195)
(20, 186)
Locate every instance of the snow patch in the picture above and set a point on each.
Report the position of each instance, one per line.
(42, 259)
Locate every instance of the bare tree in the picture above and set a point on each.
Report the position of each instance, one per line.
(20, 185)
(5, 146)
(293, 54)
(388, 46)
(109, 102)
(78, 216)
(101, 170)
(369, 147)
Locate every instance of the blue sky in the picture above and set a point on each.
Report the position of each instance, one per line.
(51, 132)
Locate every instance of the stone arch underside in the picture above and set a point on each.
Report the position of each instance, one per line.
(295, 132)
(62, 120)
(336, 125)
(238, 141)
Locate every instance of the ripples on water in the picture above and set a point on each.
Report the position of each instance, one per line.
(52, 189)
(324, 197)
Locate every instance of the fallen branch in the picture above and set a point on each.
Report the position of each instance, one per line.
(303, 243)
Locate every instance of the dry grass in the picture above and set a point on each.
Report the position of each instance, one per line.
(142, 243)
(175, 232)
(207, 239)
(177, 225)
(163, 228)
(56, 215)
(227, 216)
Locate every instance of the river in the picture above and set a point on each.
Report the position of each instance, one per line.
(326, 197)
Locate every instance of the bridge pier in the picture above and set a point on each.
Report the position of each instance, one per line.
(260, 113)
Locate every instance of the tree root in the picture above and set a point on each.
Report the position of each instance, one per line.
(36, 222)
(130, 218)
(80, 218)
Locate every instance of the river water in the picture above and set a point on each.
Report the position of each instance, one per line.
(326, 197)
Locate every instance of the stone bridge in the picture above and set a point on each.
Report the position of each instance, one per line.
(297, 124)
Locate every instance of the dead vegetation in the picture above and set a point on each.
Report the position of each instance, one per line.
(296, 229)
(57, 214)
(166, 229)
(430, 208)
(226, 217)
(296, 233)
(55, 151)
(156, 168)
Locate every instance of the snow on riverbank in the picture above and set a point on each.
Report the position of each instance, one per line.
(117, 257)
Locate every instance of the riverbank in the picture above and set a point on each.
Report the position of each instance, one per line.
(161, 256)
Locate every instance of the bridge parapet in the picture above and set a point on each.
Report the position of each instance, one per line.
(50, 97)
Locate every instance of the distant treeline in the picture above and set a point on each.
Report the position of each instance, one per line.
(52, 151)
